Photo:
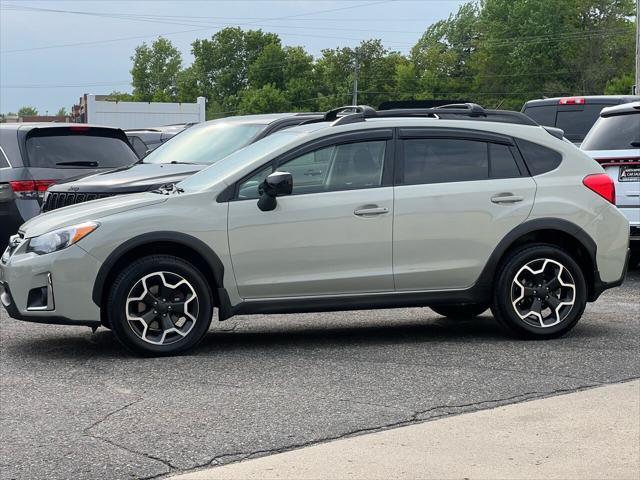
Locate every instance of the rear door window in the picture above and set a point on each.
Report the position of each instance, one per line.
(443, 160)
(618, 132)
(63, 148)
(440, 160)
(502, 162)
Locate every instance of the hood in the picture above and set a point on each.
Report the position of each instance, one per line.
(134, 178)
(85, 212)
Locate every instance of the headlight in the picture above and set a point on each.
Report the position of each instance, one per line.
(61, 238)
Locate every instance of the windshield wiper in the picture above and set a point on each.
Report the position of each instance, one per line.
(168, 189)
(78, 164)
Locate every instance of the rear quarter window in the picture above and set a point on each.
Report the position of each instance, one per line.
(618, 132)
(539, 159)
(66, 149)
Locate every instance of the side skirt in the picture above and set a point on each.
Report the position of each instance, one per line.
(474, 294)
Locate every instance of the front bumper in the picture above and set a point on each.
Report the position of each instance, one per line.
(67, 276)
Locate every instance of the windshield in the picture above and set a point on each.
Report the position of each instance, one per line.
(205, 144)
(253, 154)
(618, 132)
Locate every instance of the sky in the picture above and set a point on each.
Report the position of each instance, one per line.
(50, 56)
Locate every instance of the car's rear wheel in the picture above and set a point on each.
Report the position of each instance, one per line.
(460, 312)
(540, 292)
(160, 305)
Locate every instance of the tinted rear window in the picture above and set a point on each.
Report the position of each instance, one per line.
(4, 163)
(614, 133)
(437, 160)
(545, 115)
(539, 159)
(82, 149)
(576, 123)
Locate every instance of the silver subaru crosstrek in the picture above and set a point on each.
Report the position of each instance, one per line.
(457, 208)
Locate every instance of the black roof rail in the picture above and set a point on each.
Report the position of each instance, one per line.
(362, 110)
(359, 113)
(474, 109)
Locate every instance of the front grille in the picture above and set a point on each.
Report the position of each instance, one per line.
(55, 200)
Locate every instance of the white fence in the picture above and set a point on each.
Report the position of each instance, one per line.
(143, 114)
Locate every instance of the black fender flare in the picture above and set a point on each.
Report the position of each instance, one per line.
(488, 273)
(212, 259)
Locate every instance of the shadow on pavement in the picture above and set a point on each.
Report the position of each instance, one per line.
(78, 344)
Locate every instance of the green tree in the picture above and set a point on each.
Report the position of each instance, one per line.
(442, 60)
(117, 96)
(62, 112)
(155, 71)
(267, 99)
(621, 85)
(222, 63)
(27, 111)
(528, 49)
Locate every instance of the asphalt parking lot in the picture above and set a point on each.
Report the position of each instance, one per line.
(75, 405)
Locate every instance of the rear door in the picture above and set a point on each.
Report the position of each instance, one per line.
(457, 194)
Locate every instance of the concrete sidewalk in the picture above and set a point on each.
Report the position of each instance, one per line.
(592, 434)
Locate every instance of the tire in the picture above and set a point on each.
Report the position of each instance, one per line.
(167, 292)
(460, 312)
(514, 304)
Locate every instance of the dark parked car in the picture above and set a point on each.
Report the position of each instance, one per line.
(574, 115)
(145, 140)
(193, 150)
(35, 155)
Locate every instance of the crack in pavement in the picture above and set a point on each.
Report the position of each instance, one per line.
(416, 417)
(87, 432)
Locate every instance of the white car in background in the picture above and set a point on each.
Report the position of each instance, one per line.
(614, 142)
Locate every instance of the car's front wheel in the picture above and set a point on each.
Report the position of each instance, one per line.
(540, 292)
(160, 305)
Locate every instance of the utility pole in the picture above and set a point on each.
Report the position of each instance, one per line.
(356, 71)
(637, 86)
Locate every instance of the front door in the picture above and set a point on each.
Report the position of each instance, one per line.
(331, 236)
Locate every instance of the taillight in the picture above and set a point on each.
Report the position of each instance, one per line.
(601, 184)
(572, 101)
(30, 188)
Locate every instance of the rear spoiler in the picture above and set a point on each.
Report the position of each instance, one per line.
(556, 132)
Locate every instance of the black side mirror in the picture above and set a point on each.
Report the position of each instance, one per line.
(275, 185)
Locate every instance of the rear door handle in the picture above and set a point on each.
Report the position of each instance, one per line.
(506, 197)
(370, 210)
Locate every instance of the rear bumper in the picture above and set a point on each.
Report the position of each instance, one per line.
(599, 286)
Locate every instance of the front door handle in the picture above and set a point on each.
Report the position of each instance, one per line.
(506, 197)
(370, 210)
